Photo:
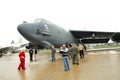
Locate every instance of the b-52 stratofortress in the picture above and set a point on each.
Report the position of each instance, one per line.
(43, 33)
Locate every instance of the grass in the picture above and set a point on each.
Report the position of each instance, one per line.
(106, 46)
(44, 51)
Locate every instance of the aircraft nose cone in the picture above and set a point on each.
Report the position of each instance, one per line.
(19, 28)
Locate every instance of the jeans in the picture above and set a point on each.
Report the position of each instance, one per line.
(66, 63)
(53, 57)
(31, 57)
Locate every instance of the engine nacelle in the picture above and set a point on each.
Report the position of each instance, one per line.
(116, 37)
(29, 46)
(33, 46)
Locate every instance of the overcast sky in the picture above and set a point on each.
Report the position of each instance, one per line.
(95, 15)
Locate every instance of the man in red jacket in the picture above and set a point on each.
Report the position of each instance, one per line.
(22, 60)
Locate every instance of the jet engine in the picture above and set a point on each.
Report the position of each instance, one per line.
(35, 46)
(116, 37)
(29, 46)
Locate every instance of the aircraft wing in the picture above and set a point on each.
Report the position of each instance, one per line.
(11, 49)
(4, 49)
(92, 36)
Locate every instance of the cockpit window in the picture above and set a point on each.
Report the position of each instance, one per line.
(38, 20)
(42, 29)
(43, 25)
(38, 31)
(46, 29)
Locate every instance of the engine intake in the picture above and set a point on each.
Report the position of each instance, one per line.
(116, 37)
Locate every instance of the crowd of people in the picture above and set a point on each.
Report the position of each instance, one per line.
(70, 51)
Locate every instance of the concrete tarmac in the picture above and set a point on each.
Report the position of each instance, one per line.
(97, 65)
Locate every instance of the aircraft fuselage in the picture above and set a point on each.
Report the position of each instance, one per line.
(45, 33)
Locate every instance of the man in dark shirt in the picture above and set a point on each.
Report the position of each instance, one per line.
(64, 52)
(31, 54)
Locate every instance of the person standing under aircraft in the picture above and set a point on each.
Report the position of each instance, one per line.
(35, 55)
(85, 48)
(64, 52)
(69, 53)
(0, 53)
(74, 52)
(31, 54)
(22, 60)
(53, 51)
(81, 48)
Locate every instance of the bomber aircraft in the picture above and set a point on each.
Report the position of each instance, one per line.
(43, 33)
